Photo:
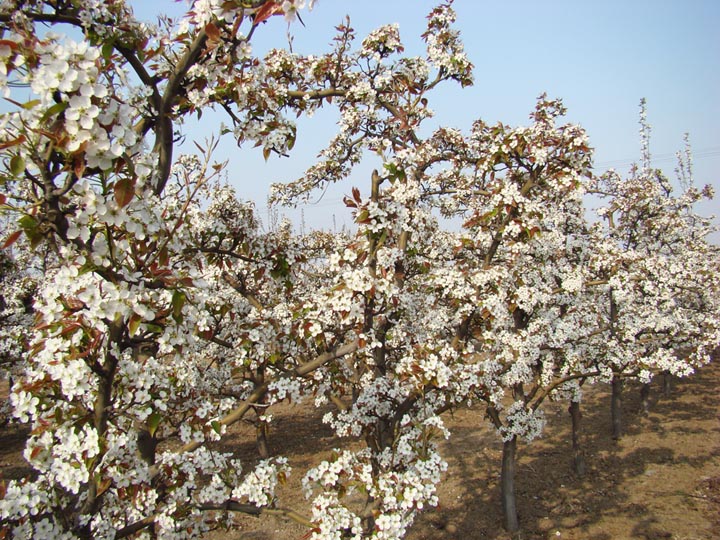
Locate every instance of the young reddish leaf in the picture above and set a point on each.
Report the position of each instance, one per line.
(134, 323)
(3, 199)
(212, 31)
(164, 256)
(14, 142)
(79, 165)
(124, 191)
(206, 334)
(103, 486)
(11, 239)
(236, 25)
(267, 10)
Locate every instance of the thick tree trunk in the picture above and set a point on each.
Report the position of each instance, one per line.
(645, 399)
(578, 457)
(616, 407)
(507, 479)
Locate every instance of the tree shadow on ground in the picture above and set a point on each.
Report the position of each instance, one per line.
(297, 433)
(12, 443)
(551, 498)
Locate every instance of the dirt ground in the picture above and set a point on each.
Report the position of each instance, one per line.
(660, 481)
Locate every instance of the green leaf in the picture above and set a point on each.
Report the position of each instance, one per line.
(55, 109)
(178, 301)
(393, 172)
(153, 423)
(28, 222)
(381, 240)
(30, 104)
(217, 426)
(31, 228)
(281, 268)
(107, 49)
(391, 168)
(17, 165)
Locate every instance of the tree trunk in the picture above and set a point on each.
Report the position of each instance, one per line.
(616, 407)
(261, 429)
(645, 399)
(146, 445)
(667, 383)
(507, 479)
(578, 457)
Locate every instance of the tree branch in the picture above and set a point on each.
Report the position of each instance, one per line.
(300, 371)
(251, 509)
(316, 94)
(227, 506)
(164, 135)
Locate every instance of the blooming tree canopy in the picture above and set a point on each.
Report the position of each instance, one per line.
(662, 282)
(163, 312)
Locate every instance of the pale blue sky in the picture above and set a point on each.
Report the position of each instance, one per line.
(600, 57)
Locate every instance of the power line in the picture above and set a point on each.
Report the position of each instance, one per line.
(712, 151)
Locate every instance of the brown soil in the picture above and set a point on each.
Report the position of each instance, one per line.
(661, 480)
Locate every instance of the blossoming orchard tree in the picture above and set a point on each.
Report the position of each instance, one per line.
(441, 315)
(510, 278)
(124, 381)
(166, 313)
(660, 300)
(18, 283)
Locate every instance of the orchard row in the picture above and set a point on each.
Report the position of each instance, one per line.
(145, 310)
